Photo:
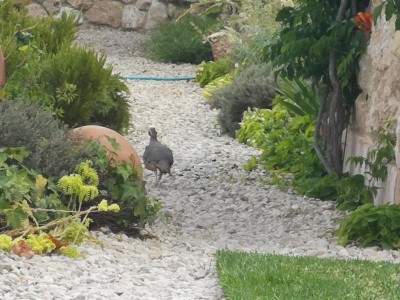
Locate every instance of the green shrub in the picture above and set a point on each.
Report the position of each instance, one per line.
(52, 151)
(254, 87)
(44, 67)
(182, 41)
(25, 40)
(19, 183)
(122, 185)
(84, 89)
(216, 84)
(356, 190)
(371, 225)
(26, 197)
(51, 33)
(251, 47)
(352, 192)
(208, 71)
(299, 97)
(257, 28)
(286, 143)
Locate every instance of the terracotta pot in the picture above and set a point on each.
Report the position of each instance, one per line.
(2, 70)
(126, 153)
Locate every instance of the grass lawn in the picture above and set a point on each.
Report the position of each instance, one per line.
(253, 276)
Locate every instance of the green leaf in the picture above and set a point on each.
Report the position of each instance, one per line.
(125, 170)
(113, 143)
(4, 205)
(129, 191)
(15, 217)
(389, 9)
(397, 23)
(283, 14)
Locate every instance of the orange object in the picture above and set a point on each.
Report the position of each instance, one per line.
(126, 153)
(364, 21)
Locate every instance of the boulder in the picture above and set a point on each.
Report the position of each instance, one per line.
(143, 4)
(132, 17)
(36, 10)
(81, 4)
(157, 14)
(105, 13)
(52, 6)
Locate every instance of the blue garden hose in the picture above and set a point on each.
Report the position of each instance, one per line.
(157, 78)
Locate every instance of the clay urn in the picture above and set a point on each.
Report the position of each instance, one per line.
(126, 153)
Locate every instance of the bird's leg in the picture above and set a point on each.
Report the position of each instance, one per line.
(159, 176)
(155, 172)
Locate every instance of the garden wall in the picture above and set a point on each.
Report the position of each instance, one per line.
(123, 14)
(378, 104)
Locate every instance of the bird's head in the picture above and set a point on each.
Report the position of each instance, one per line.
(152, 133)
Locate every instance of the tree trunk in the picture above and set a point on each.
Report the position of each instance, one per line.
(331, 119)
(2, 70)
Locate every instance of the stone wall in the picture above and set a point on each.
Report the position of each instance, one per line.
(123, 14)
(378, 103)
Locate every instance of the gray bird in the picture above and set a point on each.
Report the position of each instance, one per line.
(157, 156)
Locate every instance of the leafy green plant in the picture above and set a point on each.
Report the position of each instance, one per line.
(121, 184)
(51, 33)
(53, 152)
(299, 97)
(390, 8)
(31, 203)
(319, 41)
(356, 190)
(81, 186)
(17, 183)
(287, 146)
(252, 127)
(251, 164)
(378, 158)
(44, 67)
(216, 84)
(98, 94)
(254, 87)
(26, 41)
(208, 71)
(371, 225)
(352, 192)
(325, 187)
(182, 41)
(255, 30)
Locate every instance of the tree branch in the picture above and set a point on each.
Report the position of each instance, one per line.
(342, 9)
(354, 8)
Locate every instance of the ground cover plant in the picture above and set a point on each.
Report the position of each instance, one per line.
(53, 151)
(286, 142)
(46, 214)
(371, 225)
(271, 276)
(252, 87)
(183, 41)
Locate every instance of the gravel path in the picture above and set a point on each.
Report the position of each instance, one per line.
(209, 203)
